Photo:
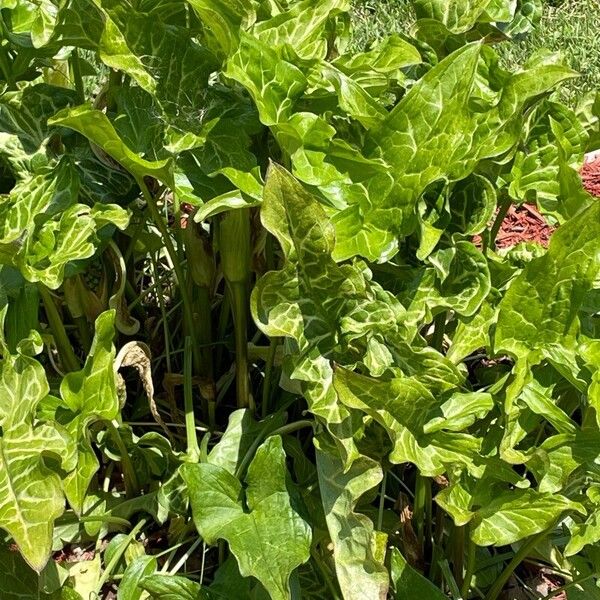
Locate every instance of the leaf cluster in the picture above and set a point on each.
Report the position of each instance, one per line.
(257, 338)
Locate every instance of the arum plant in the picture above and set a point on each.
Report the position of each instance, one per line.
(338, 383)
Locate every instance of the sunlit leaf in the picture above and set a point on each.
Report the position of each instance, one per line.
(352, 534)
(89, 395)
(31, 497)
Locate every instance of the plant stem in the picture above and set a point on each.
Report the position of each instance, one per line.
(502, 212)
(291, 427)
(163, 313)
(458, 558)
(517, 559)
(5, 63)
(63, 344)
(470, 567)
(201, 296)
(239, 307)
(104, 519)
(266, 393)
(422, 510)
(204, 320)
(381, 502)
(565, 587)
(132, 488)
(84, 333)
(77, 78)
(439, 329)
(115, 79)
(117, 556)
(325, 574)
(185, 557)
(185, 297)
(224, 314)
(235, 250)
(193, 450)
(449, 579)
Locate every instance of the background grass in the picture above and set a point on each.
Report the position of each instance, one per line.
(568, 26)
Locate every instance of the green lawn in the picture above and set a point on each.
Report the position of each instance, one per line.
(569, 26)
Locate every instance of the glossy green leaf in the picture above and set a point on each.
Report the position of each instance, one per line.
(238, 438)
(559, 458)
(44, 23)
(459, 412)
(457, 15)
(137, 570)
(26, 113)
(316, 302)
(527, 15)
(352, 534)
(584, 533)
(353, 100)
(173, 587)
(457, 279)
(401, 406)
(274, 84)
(20, 582)
(255, 536)
(95, 125)
(472, 204)
(540, 308)
(223, 21)
(535, 171)
(146, 44)
(69, 237)
(48, 193)
(518, 514)
(228, 583)
(474, 332)
(409, 583)
(89, 395)
(79, 23)
(424, 143)
(302, 26)
(378, 315)
(31, 497)
(394, 52)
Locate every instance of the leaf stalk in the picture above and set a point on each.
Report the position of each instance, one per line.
(67, 357)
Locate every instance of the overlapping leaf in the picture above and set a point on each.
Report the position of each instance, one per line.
(255, 536)
(325, 308)
(540, 309)
(535, 170)
(88, 396)
(45, 228)
(25, 113)
(360, 571)
(401, 406)
(31, 497)
(424, 142)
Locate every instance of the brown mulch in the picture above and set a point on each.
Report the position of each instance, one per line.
(523, 224)
(590, 175)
